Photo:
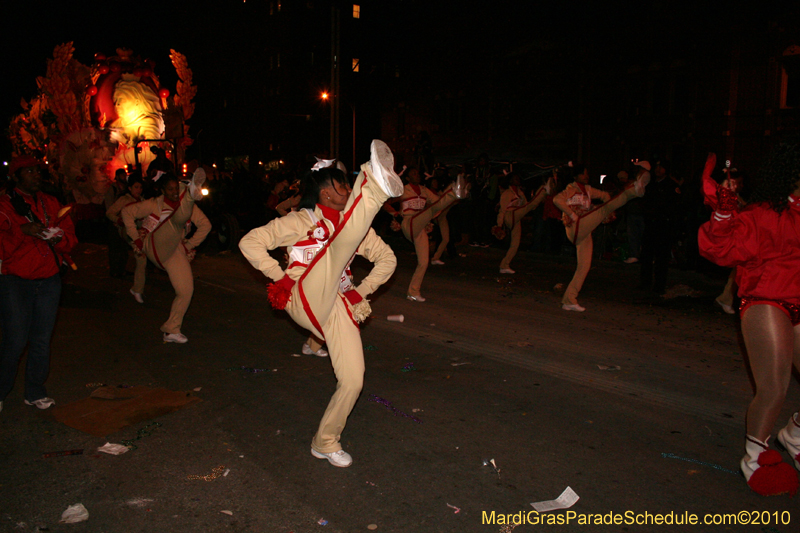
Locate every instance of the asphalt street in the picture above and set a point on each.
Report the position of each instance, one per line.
(637, 405)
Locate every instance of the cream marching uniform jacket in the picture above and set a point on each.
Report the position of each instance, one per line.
(114, 212)
(510, 199)
(578, 198)
(154, 212)
(415, 198)
(305, 233)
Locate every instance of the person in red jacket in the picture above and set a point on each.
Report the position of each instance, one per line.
(763, 242)
(34, 235)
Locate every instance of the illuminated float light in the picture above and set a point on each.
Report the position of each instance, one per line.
(602, 177)
(214, 165)
(324, 96)
(204, 191)
(5, 163)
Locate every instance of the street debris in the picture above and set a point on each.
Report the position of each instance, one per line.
(62, 453)
(248, 369)
(113, 449)
(459, 364)
(229, 513)
(677, 291)
(226, 472)
(712, 465)
(74, 514)
(565, 501)
(210, 477)
(609, 367)
(408, 367)
(386, 403)
(395, 318)
(139, 502)
(322, 522)
(456, 511)
(143, 432)
(490, 462)
(372, 527)
(197, 389)
(94, 385)
(370, 347)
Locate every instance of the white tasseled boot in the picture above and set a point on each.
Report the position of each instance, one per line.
(790, 438)
(765, 471)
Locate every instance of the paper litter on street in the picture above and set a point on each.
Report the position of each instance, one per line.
(565, 501)
(74, 513)
(113, 449)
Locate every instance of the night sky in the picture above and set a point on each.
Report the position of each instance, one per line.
(439, 40)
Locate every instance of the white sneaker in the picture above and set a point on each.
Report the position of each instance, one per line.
(573, 307)
(641, 183)
(549, 186)
(789, 437)
(319, 353)
(137, 296)
(437, 262)
(341, 458)
(196, 185)
(460, 187)
(42, 403)
(507, 271)
(725, 307)
(382, 164)
(415, 298)
(179, 338)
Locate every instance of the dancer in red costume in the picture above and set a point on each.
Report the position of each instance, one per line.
(763, 242)
(332, 226)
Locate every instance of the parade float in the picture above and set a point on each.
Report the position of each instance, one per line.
(88, 121)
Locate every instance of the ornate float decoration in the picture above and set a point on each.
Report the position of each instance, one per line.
(88, 121)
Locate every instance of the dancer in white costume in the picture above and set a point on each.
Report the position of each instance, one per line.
(315, 289)
(114, 214)
(513, 208)
(580, 220)
(418, 207)
(162, 238)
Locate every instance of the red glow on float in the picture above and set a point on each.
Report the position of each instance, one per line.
(92, 90)
(163, 93)
(103, 69)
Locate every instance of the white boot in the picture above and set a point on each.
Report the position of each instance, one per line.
(790, 438)
(460, 187)
(196, 185)
(765, 471)
(382, 165)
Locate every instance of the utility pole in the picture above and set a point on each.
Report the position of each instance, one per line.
(335, 40)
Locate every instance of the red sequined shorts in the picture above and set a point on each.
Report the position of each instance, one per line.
(792, 310)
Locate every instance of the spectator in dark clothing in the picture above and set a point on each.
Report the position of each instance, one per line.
(660, 207)
(634, 221)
